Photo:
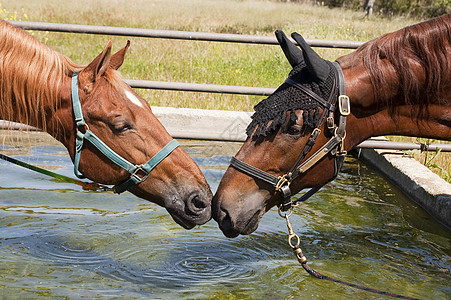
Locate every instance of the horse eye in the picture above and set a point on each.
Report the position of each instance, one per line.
(120, 127)
(294, 129)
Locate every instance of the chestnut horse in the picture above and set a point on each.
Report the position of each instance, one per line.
(399, 83)
(114, 139)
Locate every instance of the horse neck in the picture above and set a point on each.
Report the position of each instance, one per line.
(393, 93)
(374, 118)
(435, 124)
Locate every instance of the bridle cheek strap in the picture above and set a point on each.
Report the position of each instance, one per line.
(138, 173)
(253, 171)
(334, 146)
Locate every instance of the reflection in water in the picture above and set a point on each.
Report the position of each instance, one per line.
(59, 241)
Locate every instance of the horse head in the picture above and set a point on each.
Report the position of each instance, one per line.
(123, 122)
(287, 130)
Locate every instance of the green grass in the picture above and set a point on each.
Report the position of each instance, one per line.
(202, 62)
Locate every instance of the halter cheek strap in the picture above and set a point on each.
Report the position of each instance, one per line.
(138, 173)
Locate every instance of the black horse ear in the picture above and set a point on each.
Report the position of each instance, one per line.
(293, 53)
(317, 66)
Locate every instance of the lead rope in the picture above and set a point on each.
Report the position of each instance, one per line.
(87, 186)
(294, 241)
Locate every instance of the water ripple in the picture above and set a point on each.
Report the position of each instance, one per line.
(66, 251)
(186, 264)
(71, 252)
(199, 268)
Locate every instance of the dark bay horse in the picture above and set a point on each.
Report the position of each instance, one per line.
(399, 83)
(110, 132)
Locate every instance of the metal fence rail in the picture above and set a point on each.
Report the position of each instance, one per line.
(173, 34)
(199, 87)
(185, 35)
(374, 143)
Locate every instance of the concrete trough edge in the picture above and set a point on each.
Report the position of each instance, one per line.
(414, 179)
(204, 124)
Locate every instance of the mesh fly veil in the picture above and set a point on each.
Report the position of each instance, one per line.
(270, 113)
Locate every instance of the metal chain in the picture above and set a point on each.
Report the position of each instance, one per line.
(293, 239)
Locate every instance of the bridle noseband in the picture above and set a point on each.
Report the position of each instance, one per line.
(138, 173)
(335, 145)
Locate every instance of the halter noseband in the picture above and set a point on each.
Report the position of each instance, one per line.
(334, 145)
(138, 173)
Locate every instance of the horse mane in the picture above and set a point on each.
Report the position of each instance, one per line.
(424, 44)
(31, 76)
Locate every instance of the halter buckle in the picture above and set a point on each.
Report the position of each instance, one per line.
(343, 105)
(330, 123)
(342, 145)
(283, 186)
(83, 126)
(139, 174)
(285, 179)
(316, 132)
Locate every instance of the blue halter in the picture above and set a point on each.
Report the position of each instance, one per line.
(139, 173)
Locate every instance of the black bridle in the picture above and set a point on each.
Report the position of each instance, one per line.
(334, 146)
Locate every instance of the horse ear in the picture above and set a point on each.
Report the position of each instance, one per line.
(317, 66)
(99, 65)
(293, 53)
(118, 58)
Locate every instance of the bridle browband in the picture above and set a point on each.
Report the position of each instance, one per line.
(138, 173)
(335, 145)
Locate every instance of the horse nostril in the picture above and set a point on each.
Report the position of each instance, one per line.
(196, 203)
(225, 223)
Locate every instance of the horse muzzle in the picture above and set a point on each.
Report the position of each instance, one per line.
(195, 209)
(238, 215)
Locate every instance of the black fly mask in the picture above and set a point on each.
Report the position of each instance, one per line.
(271, 113)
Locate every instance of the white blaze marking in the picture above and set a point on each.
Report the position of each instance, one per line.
(133, 98)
